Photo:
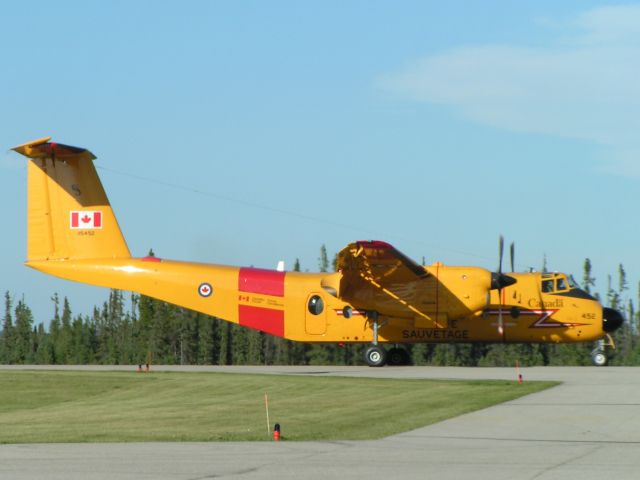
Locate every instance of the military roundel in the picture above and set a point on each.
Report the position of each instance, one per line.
(205, 289)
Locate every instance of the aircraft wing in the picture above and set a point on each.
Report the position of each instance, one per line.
(377, 276)
(380, 261)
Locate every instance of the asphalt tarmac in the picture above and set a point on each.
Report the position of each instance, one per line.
(587, 428)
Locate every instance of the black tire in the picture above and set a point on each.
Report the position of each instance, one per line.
(375, 356)
(599, 358)
(398, 356)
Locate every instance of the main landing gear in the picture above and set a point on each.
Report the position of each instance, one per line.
(377, 356)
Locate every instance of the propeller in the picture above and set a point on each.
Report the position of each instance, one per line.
(499, 280)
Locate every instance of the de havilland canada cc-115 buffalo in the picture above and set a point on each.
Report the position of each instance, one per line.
(377, 295)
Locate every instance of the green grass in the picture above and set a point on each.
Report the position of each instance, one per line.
(126, 407)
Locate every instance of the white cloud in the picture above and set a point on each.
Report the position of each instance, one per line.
(585, 85)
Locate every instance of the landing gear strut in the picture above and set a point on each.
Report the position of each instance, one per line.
(376, 355)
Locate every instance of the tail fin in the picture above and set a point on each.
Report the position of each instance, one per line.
(68, 213)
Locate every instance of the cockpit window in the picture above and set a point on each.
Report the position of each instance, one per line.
(556, 282)
(561, 284)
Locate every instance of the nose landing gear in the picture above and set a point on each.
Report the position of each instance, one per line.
(599, 355)
(599, 358)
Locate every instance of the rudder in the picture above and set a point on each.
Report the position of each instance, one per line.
(68, 213)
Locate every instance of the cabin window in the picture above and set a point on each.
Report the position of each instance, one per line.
(316, 305)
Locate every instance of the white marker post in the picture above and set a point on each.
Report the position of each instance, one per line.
(266, 407)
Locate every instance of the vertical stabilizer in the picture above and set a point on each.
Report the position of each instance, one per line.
(68, 213)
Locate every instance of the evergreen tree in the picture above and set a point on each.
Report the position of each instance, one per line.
(622, 280)
(319, 354)
(23, 339)
(144, 328)
(44, 347)
(255, 347)
(80, 353)
(224, 356)
(323, 260)
(206, 340)
(187, 325)
(63, 343)
(588, 281)
(455, 354)
(619, 301)
(239, 344)
(165, 334)
(6, 338)
(613, 297)
(54, 330)
(420, 353)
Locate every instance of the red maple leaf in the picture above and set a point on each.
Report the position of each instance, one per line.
(86, 219)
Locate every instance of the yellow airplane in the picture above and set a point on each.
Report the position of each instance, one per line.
(377, 296)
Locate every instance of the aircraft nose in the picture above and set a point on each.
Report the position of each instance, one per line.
(611, 319)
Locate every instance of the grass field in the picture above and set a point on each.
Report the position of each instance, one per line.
(48, 406)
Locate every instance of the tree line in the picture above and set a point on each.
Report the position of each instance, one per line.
(134, 329)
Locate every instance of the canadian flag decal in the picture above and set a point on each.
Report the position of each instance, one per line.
(86, 220)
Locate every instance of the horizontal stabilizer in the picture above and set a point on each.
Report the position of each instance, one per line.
(43, 148)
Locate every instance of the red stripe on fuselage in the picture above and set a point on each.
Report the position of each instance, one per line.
(265, 282)
(264, 319)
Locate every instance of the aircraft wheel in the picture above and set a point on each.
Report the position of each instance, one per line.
(599, 358)
(398, 356)
(375, 356)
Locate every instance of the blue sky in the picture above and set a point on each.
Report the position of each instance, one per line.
(248, 132)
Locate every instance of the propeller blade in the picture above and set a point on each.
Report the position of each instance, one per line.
(512, 252)
(487, 307)
(500, 253)
(499, 280)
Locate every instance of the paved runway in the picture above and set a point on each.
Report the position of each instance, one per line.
(586, 428)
